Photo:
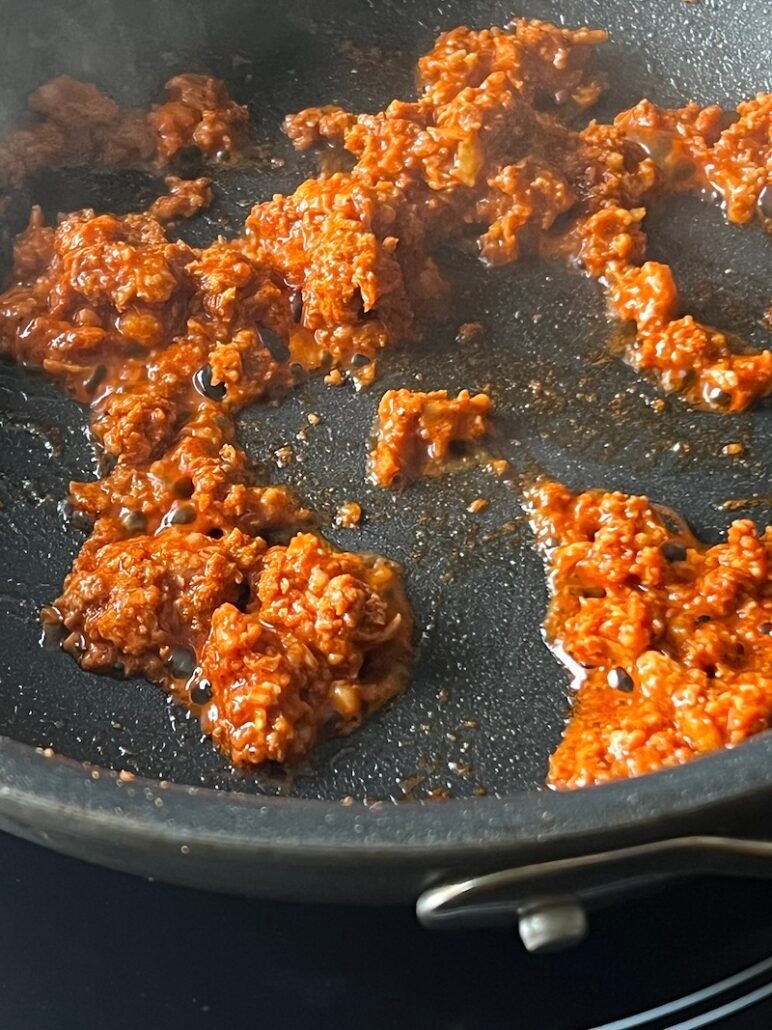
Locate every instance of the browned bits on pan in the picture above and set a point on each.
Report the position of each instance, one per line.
(284, 456)
(467, 332)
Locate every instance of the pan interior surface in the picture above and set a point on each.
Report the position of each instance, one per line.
(487, 700)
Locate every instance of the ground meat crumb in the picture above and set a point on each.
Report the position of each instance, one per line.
(284, 456)
(348, 515)
(185, 199)
(479, 504)
(417, 432)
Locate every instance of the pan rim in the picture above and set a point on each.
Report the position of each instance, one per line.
(40, 793)
(34, 787)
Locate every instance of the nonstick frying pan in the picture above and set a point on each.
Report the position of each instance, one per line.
(445, 782)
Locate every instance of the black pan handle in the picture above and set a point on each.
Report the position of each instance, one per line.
(548, 901)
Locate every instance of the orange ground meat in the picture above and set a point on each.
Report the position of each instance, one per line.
(669, 641)
(198, 112)
(349, 515)
(416, 431)
(323, 642)
(185, 199)
(203, 482)
(76, 124)
(474, 150)
(167, 342)
(128, 603)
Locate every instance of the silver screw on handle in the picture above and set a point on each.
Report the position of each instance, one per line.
(552, 925)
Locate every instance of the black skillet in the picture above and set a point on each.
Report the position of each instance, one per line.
(487, 700)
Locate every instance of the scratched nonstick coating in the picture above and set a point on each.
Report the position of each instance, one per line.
(487, 700)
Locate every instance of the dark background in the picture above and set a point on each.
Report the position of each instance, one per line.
(82, 948)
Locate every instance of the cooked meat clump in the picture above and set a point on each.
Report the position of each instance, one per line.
(669, 640)
(417, 433)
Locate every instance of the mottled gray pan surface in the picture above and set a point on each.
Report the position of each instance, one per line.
(487, 699)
